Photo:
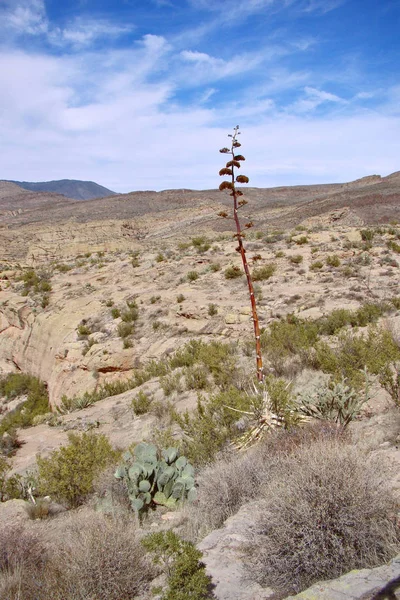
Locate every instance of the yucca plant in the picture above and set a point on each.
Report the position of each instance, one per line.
(238, 203)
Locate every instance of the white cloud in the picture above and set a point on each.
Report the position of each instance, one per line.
(82, 32)
(24, 16)
(126, 134)
(314, 98)
(21, 17)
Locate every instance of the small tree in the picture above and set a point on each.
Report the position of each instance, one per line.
(238, 203)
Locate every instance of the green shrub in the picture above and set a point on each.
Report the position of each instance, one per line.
(196, 377)
(208, 428)
(333, 261)
(279, 254)
(180, 561)
(132, 313)
(288, 338)
(263, 273)
(68, 473)
(367, 235)
(84, 330)
(393, 246)
(302, 240)
(192, 275)
(233, 272)
(212, 310)
(296, 259)
(326, 511)
(135, 259)
(160, 257)
(171, 383)
(115, 313)
(141, 403)
(201, 244)
(155, 299)
(315, 266)
(214, 267)
(353, 353)
(37, 402)
(125, 329)
(10, 485)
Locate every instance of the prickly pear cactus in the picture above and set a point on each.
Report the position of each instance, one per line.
(153, 479)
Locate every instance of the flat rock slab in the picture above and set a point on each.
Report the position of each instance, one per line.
(222, 553)
(364, 584)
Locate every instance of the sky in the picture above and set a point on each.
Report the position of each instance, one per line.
(141, 94)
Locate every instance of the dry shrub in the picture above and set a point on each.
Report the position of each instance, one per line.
(100, 557)
(23, 560)
(326, 511)
(233, 480)
(87, 557)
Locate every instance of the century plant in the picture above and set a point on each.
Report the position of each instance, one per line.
(156, 478)
(238, 203)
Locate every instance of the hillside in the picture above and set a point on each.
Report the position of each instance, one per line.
(70, 188)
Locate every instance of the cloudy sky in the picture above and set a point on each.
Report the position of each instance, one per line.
(141, 94)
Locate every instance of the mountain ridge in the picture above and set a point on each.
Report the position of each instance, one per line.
(75, 189)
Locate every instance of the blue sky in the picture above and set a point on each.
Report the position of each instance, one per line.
(140, 94)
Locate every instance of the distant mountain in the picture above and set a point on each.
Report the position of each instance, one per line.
(71, 188)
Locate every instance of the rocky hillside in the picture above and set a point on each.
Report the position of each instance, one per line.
(70, 188)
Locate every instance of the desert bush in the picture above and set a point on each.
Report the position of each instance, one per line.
(263, 273)
(315, 266)
(208, 428)
(333, 261)
(37, 402)
(10, 485)
(327, 511)
(196, 377)
(180, 561)
(141, 403)
(201, 244)
(214, 267)
(287, 338)
(233, 272)
(393, 246)
(212, 310)
(84, 330)
(131, 314)
(115, 313)
(125, 329)
(296, 259)
(171, 383)
(234, 479)
(68, 473)
(160, 257)
(180, 298)
(23, 563)
(99, 557)
(192, 276)
(155, 299)
(367, 235)
(301, 240)
(353, 353)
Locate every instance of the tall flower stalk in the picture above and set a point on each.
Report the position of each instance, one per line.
(238, 203)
